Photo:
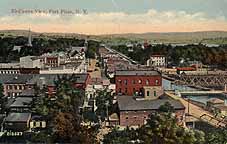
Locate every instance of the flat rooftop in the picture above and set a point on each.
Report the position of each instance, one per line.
(18, 117)
(137, 73)
(22, 102)
(130, 103)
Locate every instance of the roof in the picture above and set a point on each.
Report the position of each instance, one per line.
(29, 92)
(129, 103)
(114, 116)
(137, 72)
(95, 81)
(16, 78)
(215, 101)
(18, 117)
(221, 107)
(186, 69)
(48, 79)
(79, 49)
(21, 102)
(158, 56)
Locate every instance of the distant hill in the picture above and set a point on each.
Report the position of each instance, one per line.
(215, 37)
(37, 34)
(175, 37)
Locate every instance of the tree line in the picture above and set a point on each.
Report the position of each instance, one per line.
(207, 55)
(40, 45)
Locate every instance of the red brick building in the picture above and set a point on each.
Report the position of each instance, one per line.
(135, 111)
(52, 61)
(131, 83)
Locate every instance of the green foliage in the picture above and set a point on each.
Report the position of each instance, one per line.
(160, 129)
(63, 113)
(117, 136)
(217, 136)
(207, 55)
(92, 50)
(2, 98)
(167, 108)
(39, 46)
(104, 97)
(89, 116)
(1, 91)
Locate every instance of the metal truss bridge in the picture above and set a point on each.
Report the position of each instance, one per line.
(207, 81)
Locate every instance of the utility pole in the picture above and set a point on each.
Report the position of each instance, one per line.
(188, 104)
(107, 112)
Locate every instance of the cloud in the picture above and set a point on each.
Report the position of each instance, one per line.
(116, 22)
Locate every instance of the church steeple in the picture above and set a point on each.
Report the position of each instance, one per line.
(29, 38)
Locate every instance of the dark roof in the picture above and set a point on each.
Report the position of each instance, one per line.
(15, 78)
(22, 102)
(129, 103)
(28, 93)
(137, 72)
(18, 117)
(5, 77)
(48, 79)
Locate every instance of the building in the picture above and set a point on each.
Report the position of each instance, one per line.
(19, 70)
(221, 109)
(157, 61)
(17, 122)
(135, 111)
(130, 82)
(16, 84)
(21, 104)
(215, 102)
(30, 62)
(37, 122)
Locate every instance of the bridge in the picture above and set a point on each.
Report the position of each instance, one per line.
(199, 112)
(206, 80)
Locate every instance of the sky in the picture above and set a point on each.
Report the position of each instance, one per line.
(114, 16)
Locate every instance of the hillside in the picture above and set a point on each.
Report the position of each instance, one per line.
(180, 37)
(214, 37)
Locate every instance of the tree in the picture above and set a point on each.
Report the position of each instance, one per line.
(161, 128)
(217, 136)
(63, 113)
(2, 98)
(102, 99)
(167, 108)
(117, 136)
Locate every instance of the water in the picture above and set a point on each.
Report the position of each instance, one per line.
(168, 86)
(202, 99)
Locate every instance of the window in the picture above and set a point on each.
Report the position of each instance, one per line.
(156, 82)
(10, 87)
(126, 118)
(126, 90)
(147, 82)
(126, 82)
(133, 82)
(134, 90)
(139, 81)
(148, 93)
(120, 81)
(119, 90)
(155, 94)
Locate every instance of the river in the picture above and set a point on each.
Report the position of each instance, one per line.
(203, 98)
